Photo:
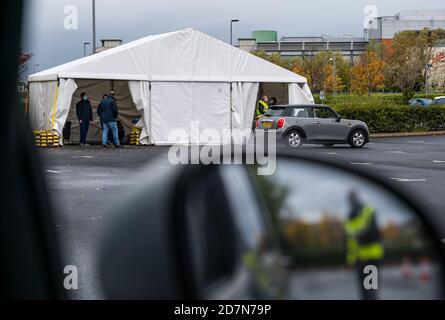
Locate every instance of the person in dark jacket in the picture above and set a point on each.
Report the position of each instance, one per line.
(85, 116)
(107, 111)
(110, 134)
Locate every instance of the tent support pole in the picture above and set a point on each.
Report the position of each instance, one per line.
(56, 96)
(151, 115)
(231, 116)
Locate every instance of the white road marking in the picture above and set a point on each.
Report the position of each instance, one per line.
(52, 171)
(414, 141)
(408, 180)
(439, 161)
(396, 152)
(331, 153)
(362, 163)
(84, 157)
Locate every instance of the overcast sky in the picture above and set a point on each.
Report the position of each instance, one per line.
(51, 44)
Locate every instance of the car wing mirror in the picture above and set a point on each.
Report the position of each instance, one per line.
(312, 230)
(350, 235)
(170, 237)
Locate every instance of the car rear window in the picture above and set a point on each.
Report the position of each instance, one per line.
(439, 101)
(301, 113)
(275, 112)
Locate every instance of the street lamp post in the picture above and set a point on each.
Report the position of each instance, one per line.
(94, 26)
(85, 44)
(427, 69)
(231, 30)
(334, 74)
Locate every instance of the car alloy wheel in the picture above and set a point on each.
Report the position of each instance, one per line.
(294, 139)
(358, 139)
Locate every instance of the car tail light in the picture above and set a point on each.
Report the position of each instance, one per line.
(281, 122)
(258, 123)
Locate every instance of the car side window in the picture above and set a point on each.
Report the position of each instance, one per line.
(301, 113)
(324, 113)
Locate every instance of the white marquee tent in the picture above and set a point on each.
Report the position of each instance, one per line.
(167, 81)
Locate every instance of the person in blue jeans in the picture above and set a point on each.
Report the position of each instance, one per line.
(85, 116)
(108, 112)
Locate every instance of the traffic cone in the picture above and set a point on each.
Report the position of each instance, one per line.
(425, 270)
(407, 268)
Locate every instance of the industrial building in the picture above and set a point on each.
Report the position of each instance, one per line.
(384, 28)
(109, 44)
(380, 29)
(291, 47)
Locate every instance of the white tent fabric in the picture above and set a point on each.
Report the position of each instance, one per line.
(298, 94)
(66, 89)
(244, 95)
(140, 92)
(41, 96)
(175, 79)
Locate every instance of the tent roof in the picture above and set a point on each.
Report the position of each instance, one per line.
(185, 55)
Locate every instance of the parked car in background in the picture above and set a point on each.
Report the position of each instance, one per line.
(439, 100)
(420, 102)
(314, 124)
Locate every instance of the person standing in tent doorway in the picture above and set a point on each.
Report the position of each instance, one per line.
(85, 116)
(113, 95)
(273, 101)
(110, 134)
(262, 107)
(108, 113)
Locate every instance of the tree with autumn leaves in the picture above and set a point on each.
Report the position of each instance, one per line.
(367, 74)
(24, 59)
(319, 71)
(399, 66)
(407, 58)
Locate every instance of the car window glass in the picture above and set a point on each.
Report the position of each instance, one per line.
(275, 112)
(208, 218)
(324, 113)
(244, 205)
(301, 113)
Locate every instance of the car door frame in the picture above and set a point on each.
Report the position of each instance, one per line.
(328, 129)
(299, 122)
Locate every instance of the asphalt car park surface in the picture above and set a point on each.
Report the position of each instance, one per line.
(83, 184)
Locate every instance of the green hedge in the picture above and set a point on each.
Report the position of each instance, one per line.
(373, 100)
(386, 112)
(352, 100)
(394, 118)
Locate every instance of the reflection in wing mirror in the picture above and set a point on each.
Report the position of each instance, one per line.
(312, 230)
(350, 236)
(339, 118)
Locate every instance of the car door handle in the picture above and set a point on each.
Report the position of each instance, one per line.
(318, 122)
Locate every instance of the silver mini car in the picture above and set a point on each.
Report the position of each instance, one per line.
(313, 124)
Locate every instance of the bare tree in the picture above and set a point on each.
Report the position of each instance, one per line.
(24, 59)
(407, 58)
